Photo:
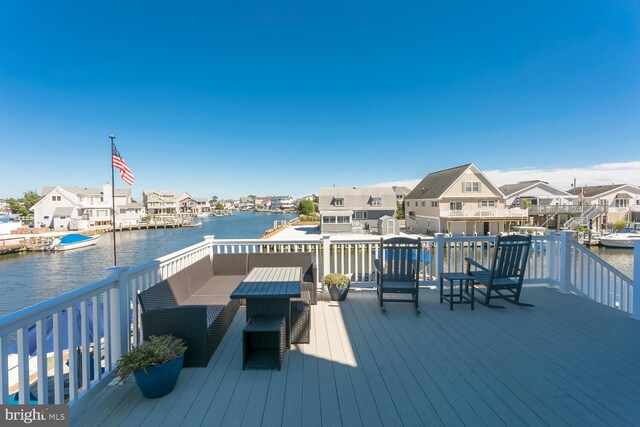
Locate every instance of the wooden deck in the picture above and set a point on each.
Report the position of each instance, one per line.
(566, 361)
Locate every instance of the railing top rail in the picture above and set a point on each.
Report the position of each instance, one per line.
(220, 242)
(28, 316)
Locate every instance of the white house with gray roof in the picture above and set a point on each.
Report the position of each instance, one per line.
(459, 200)
(349, 210)
(160, 203)
(77, 208)
(186, 203)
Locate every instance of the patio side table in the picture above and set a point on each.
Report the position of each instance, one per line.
(463, 296)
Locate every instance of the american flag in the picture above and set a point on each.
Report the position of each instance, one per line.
(119, 163)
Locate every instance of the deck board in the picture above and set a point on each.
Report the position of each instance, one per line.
(566, 361)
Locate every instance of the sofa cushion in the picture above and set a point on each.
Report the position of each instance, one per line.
(230, 264)
(220, 285)
(179, 286)
(157, 296)
(199, 273)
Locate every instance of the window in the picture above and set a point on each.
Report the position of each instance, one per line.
(56, 198)
(360, 214)
(329, 219)
(344, 220)
(423, 204)
(637, 201)
(416, 204)
(434, 204)
(338, 202)
(376, 201)
(46, 217)
(408, 204)
(487, 203)
(471, 187)
(455, 206)
(621, 203)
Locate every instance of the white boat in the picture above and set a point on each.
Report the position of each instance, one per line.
(619, 240)
(72, 241)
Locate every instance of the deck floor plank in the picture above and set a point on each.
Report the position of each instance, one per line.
(566, 361)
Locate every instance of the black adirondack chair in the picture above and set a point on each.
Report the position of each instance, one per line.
(397, 269)
(503, 279)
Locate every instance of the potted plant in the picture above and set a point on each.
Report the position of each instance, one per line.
(156, 365)
(338, 285)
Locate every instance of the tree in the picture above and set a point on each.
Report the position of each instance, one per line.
(214, 199)
(400, 212)
(306, 207)
(22, 205)
(219, 206)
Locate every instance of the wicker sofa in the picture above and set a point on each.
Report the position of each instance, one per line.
(194, 303)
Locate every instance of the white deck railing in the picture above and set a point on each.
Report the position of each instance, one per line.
(106, 318)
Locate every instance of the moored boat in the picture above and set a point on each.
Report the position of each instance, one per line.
(72, 241)
(619, 240)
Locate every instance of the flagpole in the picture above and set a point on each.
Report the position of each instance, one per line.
(113, 202)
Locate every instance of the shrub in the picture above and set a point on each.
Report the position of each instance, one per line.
(154, 351)
(335, 279)
(620, 225)
(306, 207)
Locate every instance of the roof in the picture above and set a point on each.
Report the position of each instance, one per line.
(594, 190)
(623, 196)
(401, 191)
(63, 211)
(86, 191)
(509, 189)
(161, 192)
(133, 206)
(433, 185)
(353, 191)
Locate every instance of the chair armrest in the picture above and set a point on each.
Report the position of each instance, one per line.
(477, 265)
(377, 265)
(179, 320)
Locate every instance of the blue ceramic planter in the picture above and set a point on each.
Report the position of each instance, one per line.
(339, 293)
(160, 379)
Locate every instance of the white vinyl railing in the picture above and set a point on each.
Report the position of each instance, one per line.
(105, 319)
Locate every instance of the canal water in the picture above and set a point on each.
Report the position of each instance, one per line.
(29, 278)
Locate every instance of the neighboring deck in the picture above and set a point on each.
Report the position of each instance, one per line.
(566, 361)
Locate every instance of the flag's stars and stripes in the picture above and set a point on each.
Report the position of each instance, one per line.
(119, 163)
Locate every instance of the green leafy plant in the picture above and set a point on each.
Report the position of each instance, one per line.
(306, 207)
(620, 225)
(154, 351)
(335, 279)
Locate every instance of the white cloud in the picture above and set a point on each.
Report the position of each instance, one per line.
(598, 174)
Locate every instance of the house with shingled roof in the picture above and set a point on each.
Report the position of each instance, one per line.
(462, 201)
(616, 202)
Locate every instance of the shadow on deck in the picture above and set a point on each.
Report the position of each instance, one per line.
(566, 361)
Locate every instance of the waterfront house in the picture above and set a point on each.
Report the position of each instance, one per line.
(246, 203)
(546, 205)
(160, 203)
(609, 203)
(349, 210)
(4, 208)
(459, 200)
(282, 203)
(75, 208)
(401, 192)
(262, 203)
(192, 205)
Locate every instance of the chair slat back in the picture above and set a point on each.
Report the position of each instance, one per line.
(398, 255)
(510, 257)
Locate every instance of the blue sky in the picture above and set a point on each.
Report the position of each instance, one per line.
(255, 97)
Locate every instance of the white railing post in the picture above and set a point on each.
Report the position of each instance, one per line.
(636, 280)
(326, 255)
(209, 239)
(439, 254)
(119, 316)
(551, 257)
(566, 239)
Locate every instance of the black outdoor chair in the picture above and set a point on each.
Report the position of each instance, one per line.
(503, 279)
(398, 269)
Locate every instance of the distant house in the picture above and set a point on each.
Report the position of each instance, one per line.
(459, 200)
(546, 205)
(282, 203)
(349, 210)
(4, 208)
(74, 208)
(159, 202)
(246, 203)
(615, 202)
(401, 193)
(192, 205)
(262, 203)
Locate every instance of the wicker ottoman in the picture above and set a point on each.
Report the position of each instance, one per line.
(300, 322)
(264, 342)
